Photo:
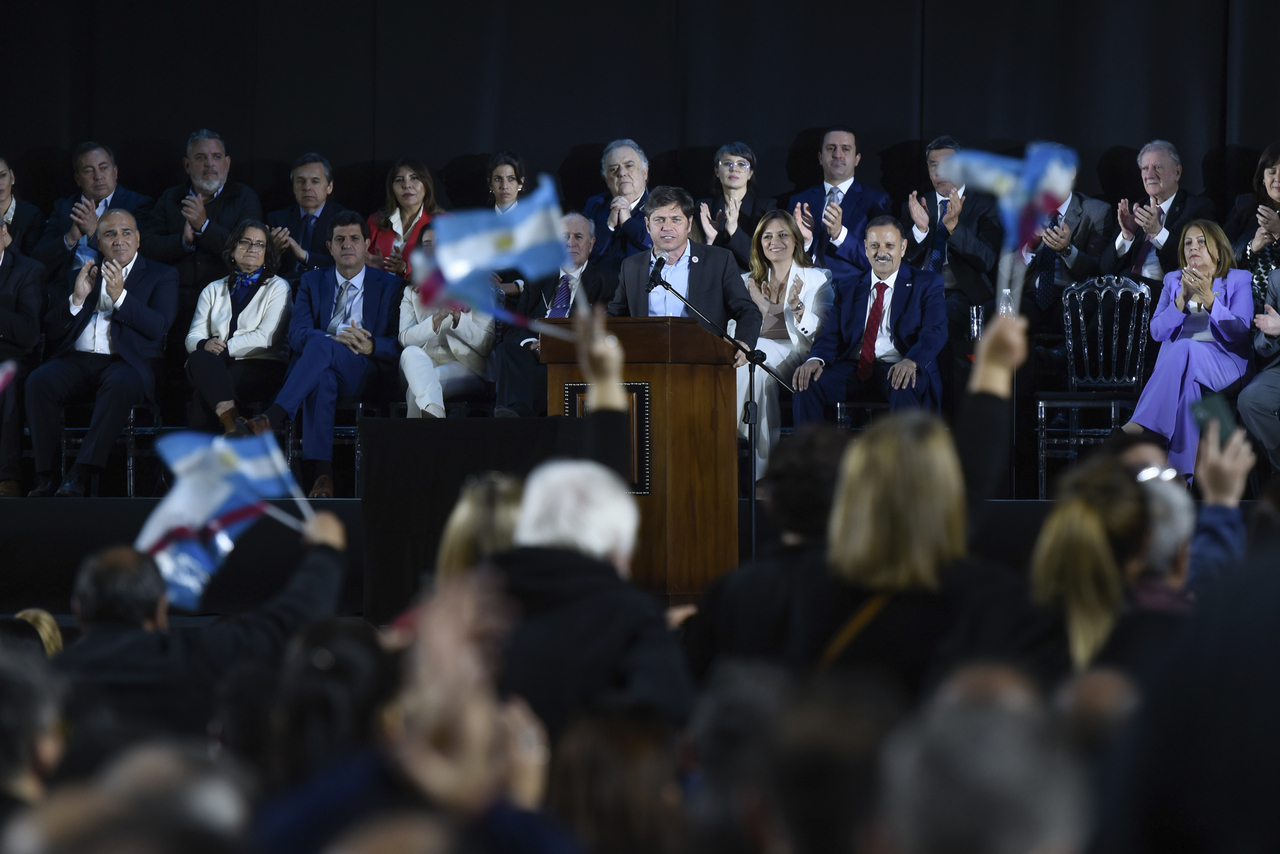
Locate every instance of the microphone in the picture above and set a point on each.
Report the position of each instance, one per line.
(655, 275)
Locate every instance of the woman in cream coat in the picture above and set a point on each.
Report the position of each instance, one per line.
(238, 342)
(793, 297)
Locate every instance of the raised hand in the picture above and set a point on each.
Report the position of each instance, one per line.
(919, 213)
(84, 283)
(1058, 238)
(954, 206)
(1148, 218)
(193, 211)
(377, 261)
(1128, 223)
(113, 279)
(84, 220)
(619, 211)
(804, 220)
(1268, 321)
(280, 237)
(709, 229)
(833, 219)
(732, 207)
(1261, 239)
(1270, 220)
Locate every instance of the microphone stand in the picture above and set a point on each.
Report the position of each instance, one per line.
(750, 415)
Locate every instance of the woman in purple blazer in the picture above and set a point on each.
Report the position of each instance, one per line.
(1202, 322)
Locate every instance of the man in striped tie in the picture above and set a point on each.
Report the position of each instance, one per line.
(519, 376)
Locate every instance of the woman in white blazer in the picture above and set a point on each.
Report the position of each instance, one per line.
(238, 342)
(793, 297)
(444, 349)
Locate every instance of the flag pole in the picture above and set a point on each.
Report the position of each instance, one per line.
(282, 517)
(282, 467)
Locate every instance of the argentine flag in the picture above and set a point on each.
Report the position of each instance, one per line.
(528, 238)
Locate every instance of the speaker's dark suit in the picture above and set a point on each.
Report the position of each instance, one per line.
(53, 253)
(918, 325)
(323, 369)
(318, 257)
(520, 378)
(753, 208)
(1183, 209)
(860, 205)
(715, 287)
(21, 289)
(117, 382)
(624, 241)
(26, 228)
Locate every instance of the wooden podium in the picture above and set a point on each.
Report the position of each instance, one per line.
(684, 446)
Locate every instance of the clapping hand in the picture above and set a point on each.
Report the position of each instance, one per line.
(84, 283)
(955, 203)
(919, 213)
(1270, 220)
(709, 229)
(1058, 238)
(833, 219)
(793, 297)
(193, 211)
(804, 220)
(1148, 218)
(84, 220)
(1269, 321)
(1261, 239)
(1128, 223)
(732, 207)
(113, 279)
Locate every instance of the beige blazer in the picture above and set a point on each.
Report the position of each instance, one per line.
(262, 331)
(817, 295)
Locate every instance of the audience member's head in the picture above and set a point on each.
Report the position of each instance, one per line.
(581, 506)
(47, 626)
(579, 238)
(207, 162)
(935, 153)
(399, 833)
(1094, 539)
(735, 168)
(615, 784)
(481, 524)
(120, 585)
(1205, 245)
(505, 177)
(839, 154)
(6, 182)
(801, 481)
(625, 169)
(348, 241)
(118, 236)
(94, 168)
(427, 238)
(1161, 169)
(1094, 707)
(410, 190)
(998, 687)
(776, 241)
(982, 781)
(1266, 178)
(886, 245)
(899, 513)
(1172, 516)
(250, 247)
(21, 637)
(668, 214)
(312, 181)
(31, 741)
(1136, 451)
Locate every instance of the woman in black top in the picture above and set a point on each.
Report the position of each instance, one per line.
(1254, 225)
(728, 219)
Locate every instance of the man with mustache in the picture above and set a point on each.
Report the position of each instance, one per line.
(882, 336)
(619, 214)
(301, 231)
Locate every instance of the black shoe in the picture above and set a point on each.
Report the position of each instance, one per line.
(46, 486)
(74, 486)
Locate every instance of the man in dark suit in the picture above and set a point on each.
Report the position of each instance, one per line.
(519, 376)
(129, 668)
(300, 231)
(21, 289)
(1065, 252)
(344, 323)
(707, 276)
(70, 236)
(833, 215)
(882, 337)
(104, 334)
(620, 230)
(1146, 243)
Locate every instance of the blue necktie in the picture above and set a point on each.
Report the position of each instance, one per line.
(1047, 265)
(938, 257)
(560, 305)
(308, 231)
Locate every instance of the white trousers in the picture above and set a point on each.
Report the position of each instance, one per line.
(430, 384)
(784, 360)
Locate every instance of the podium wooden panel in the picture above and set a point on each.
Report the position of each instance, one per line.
(688, 437)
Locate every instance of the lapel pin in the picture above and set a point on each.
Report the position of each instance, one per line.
(693, 259)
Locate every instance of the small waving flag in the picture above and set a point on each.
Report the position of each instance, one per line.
(220, 491)
(8, 370)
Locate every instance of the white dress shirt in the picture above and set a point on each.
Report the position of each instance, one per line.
(11, 210)
(937, 205)
(96, 337)
(353, 312)
(885, 350)
(675, 273)
(398, 226)
(1151, 268)
(575, 287)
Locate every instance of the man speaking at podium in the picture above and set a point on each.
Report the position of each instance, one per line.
(707, 276)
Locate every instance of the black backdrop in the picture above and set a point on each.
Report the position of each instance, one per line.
(367, 82)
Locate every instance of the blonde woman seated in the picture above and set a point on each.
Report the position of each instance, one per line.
(237, 346)
(444, 353)
(793, 297)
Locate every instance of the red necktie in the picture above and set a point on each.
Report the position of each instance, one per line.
(870, 333)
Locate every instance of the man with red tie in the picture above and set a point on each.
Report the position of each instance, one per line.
(883, 345)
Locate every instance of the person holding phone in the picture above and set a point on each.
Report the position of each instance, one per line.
(1202, 321)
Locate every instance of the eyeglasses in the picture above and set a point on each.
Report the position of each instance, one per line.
(740, 165)
(255, 245)
(1156, 473)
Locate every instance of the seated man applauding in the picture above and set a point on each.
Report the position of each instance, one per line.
(105, 338)
(344, 322)
(882, 338)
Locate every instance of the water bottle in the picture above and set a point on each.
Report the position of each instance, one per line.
(1006, 303)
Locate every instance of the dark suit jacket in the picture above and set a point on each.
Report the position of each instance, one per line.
(138, 327)
(1184, 208)
(162, 239)
(318, 252)
(21, 289)
(313, 309)
(537, 297)
(1090, 221)
(26, 228)
(861, 204)
(753, 208)
(973, 249)
(1242, 222)
(166, 680)
(917, 320)
(53, 253)
(715, 287)
(624, 241)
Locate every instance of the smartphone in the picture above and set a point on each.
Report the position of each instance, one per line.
(1214, 407)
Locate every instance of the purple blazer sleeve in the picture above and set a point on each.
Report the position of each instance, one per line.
(1232, 314)
(1167, 320)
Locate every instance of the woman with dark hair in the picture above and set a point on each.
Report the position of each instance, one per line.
(411, 204)
(1254, 226)
(1203, 322)
(22, 219)
(729, 217)
(238, 342)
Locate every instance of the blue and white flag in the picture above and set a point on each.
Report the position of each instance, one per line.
(220, 490)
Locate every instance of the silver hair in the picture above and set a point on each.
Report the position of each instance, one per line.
(1160, 145)
(622, 143)
(1173, 521)
(591, 223)
(578, 505)
(205, 133)
(982, 781)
